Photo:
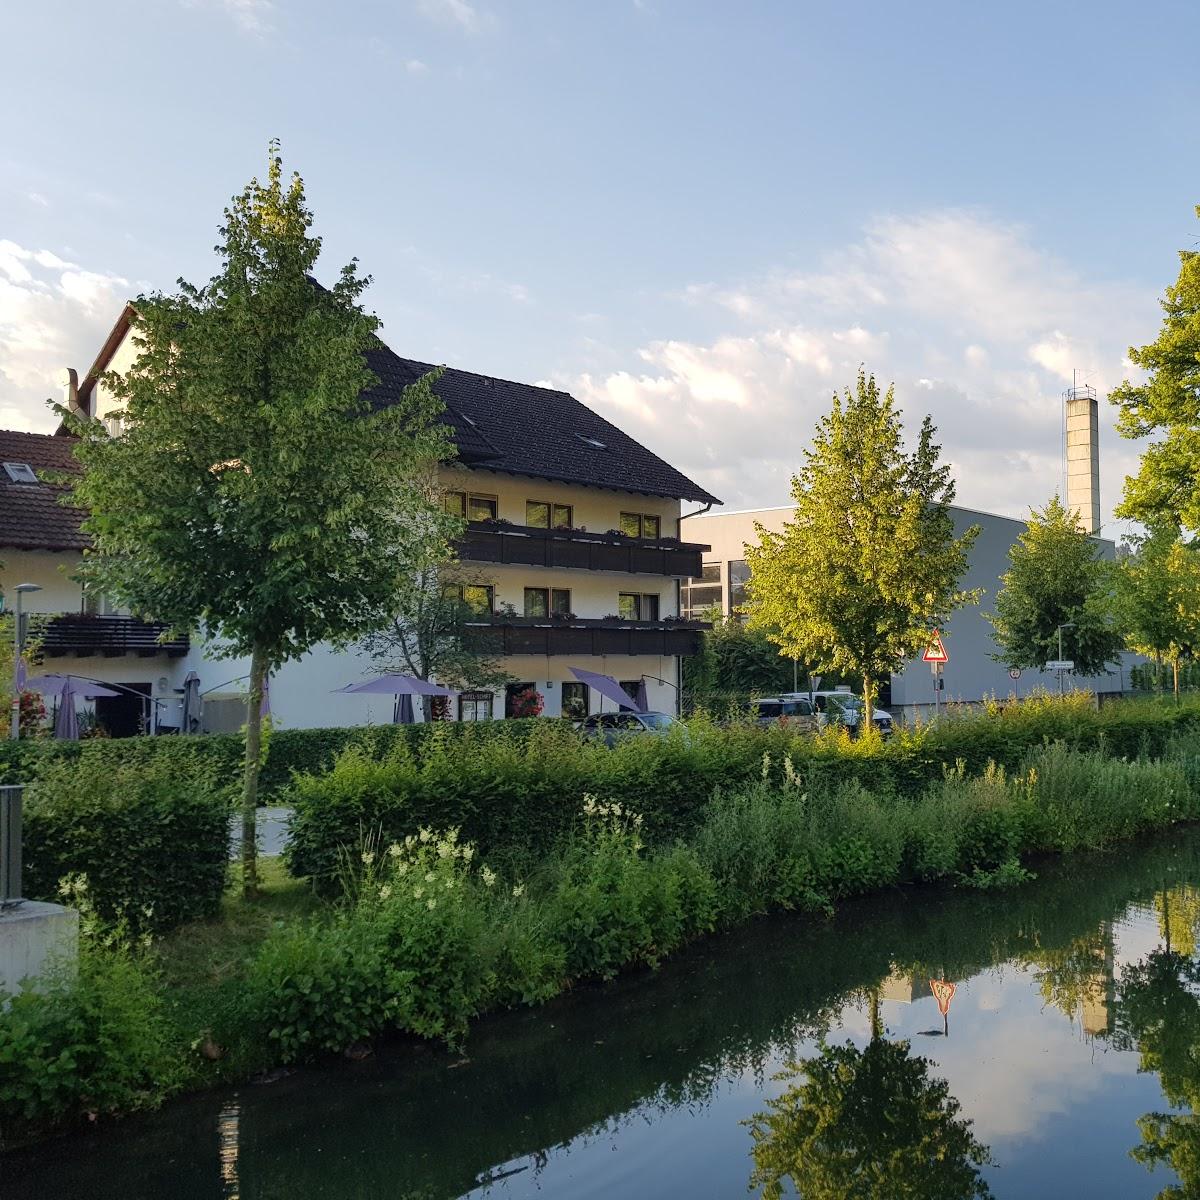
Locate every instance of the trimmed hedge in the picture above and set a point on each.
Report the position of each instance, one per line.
(220, 754)
(521, 793)
(150, 840)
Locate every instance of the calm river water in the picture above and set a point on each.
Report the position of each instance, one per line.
(1068, 1064)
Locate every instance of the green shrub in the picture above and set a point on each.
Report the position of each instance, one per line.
(150, 839)
(94, 1044)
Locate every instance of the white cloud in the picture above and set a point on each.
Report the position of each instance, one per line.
(414, 66)
(457, 13)
(53, 314)
(975, 324)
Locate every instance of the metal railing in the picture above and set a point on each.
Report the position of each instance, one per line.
(10, 845)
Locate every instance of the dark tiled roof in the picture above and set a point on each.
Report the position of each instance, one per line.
(31, 518)
(525, 430)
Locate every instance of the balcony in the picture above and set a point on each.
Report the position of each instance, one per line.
(523, 545)
(582, 636)
(81, 636)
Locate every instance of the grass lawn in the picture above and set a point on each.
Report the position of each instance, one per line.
(201, 962)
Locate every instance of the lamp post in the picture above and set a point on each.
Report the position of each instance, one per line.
(18, 646)
(1064, 625)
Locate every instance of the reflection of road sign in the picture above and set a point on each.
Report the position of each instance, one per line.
(936, 651)
(1014, 672)
(943, 993)
(1060, 664)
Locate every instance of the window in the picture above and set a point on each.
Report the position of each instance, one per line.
(632, 606)
(475, 706)
(478, 597)
(702, 592)
(96, 604)
(543, 514)
(544, 602)
(739, 574)
(470, 505)
(641, 525)
(20, 472)
(575, 700)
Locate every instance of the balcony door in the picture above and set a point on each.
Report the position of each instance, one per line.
(124, 715)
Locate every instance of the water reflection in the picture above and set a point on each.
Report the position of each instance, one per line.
(866, 1124)
(1076, 1026)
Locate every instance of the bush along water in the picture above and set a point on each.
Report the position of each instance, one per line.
(428, 933)
(520, 792)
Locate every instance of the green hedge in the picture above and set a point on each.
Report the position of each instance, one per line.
(145, 844)
(521, 793)
(220, 754)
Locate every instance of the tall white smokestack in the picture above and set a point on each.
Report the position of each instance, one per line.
(1081, 437)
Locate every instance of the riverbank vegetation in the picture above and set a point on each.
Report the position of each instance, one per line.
(419, 931)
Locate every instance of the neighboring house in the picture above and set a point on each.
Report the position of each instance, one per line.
(969, 676)
(41, 543)
(572, 553)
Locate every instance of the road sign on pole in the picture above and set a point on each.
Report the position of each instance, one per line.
(935, 652)
(943, 993)
(1014, 672)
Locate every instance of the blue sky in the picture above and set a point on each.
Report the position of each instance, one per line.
(698, 217)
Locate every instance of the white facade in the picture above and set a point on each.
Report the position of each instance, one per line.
(971, 674)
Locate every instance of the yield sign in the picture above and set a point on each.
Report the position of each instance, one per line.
(943, 993)
(936, 650)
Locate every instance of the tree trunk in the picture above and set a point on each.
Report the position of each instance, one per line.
(1175, 675)
(876, 1018)
(258, 671)
(868, 706)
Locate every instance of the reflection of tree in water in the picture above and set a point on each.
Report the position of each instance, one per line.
(1161, 1014)
(868, 1124)
(1076, 977)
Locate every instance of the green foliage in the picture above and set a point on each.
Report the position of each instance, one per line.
(1056, 577)
(150, 839)
(869, 1124)
(252, 490)
(1158, 597)
(1167, 485)
(870, 564)
(735, 664)
(95, 1044)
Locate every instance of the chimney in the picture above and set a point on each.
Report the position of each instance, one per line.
(68, 380)
(1081, 444)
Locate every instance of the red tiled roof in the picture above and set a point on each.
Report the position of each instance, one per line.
(31, 517)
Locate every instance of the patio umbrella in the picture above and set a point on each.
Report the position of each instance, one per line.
(404, 709)
(606, 685)
(68, 685)
(397, 685)
(191, 703)
(642, 699)
(66, 720)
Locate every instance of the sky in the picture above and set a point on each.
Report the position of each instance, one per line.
(699, 218)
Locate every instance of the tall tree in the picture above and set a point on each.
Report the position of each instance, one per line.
(1167, 405)
(1158, 597)
(1056, 577)
(251, 491)
(870, 564)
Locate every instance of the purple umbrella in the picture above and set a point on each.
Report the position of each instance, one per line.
(403, 714)
(606, 685)
(66, 720)
(68, 685)
(642, 700)
(397, 685)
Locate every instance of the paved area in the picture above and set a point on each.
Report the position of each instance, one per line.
(272, 831)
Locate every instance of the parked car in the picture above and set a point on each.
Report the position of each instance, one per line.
(610, 726)
(796, 712)
(846, 709)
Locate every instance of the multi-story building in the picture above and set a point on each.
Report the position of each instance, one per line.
(572, 555)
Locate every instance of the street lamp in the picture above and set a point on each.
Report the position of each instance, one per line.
(1064, 625)
(18, 646)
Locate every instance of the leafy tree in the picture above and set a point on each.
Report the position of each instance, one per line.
(735, 662)
(252, 492)
(1056, 577)
(428, 633)
(869, 1124)
(1158, 597)
(870, 562)
(1167, 485)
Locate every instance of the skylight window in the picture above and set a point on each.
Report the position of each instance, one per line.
(591, 441)
(20, 473)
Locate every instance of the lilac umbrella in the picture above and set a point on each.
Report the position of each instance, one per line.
(397, 685)
(66, 688)
(642, 700)
(606, 685)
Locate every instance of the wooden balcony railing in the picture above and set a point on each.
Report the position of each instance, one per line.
(524, 545)
(80, 636)
(584, 636)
